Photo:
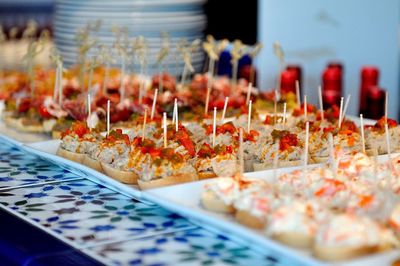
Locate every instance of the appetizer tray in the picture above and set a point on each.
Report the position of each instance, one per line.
(184, 199)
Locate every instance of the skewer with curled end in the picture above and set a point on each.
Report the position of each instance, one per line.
(278, 51)
(121, 45)
(186, 51)
(253, 52)
(237, 52)
(213, 49)
(164, 51)
(2, 41)
(57, 59)
(107, 60)
(85, 43)
(141, 47)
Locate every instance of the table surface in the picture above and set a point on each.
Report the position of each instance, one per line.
(102, 225)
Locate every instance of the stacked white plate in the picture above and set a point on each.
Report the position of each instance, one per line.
(180, 18)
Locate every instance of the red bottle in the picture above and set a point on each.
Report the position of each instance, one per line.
(288, 81)
(296, 69)
(332, 84)
(375, 103)
(369, 78)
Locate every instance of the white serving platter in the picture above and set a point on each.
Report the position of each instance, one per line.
(184, 199)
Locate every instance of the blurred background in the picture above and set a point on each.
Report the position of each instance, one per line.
(317, 37)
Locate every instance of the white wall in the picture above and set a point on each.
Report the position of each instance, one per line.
(313, 32)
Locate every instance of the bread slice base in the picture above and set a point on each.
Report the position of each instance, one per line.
(167, 181)
(127, 177)
(341, 253)
(249, 220)
(92, 163)
(73, 156)
(212, 203)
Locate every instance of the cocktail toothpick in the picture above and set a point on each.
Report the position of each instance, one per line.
(153, 107)
(89, 107)
(340, 112)
(176, 115)
(174, 111)
(214, 126)
(346, 105)
(306, 146)
(284, 114)
(362, 133)
(298, 96)
(275, 105)
(386, 106)
(165, 129)
(275, 162)
(144, 124)
(321, 104)
(241, 152)
(249, 88)
(305, 108)
(249, 117)
(224, 110)
(207, 101)
(108, 117)
(333, 162)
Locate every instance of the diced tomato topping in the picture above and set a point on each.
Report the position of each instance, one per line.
(79, 128)
(206, 151)
(298, 111)
(288, 141)
(24, 105)
(44, 113)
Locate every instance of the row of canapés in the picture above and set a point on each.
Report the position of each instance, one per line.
(154, 155)
(339, 211)
(48, 108)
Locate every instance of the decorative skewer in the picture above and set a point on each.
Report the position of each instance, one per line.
(108, 117)
(241, 155)
(284, 114)
(165, 128)
(176, 115)
(346, 105)
(298, 96)
(386, 106)
(249, 117)
(275, 161)
(207, 101)
(305, 108)
(153, 107)
(362, 133)
(321, 104)
(332, 154)
(253, 54)
(275, 105)
(249, 88)
(224, 110)
(214, 126)
(144, 123)
(306, 146)
(340, 112)
(89, 108)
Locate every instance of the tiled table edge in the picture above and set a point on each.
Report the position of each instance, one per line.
(85, 249)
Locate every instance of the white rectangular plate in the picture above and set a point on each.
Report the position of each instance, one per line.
(185, 200)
